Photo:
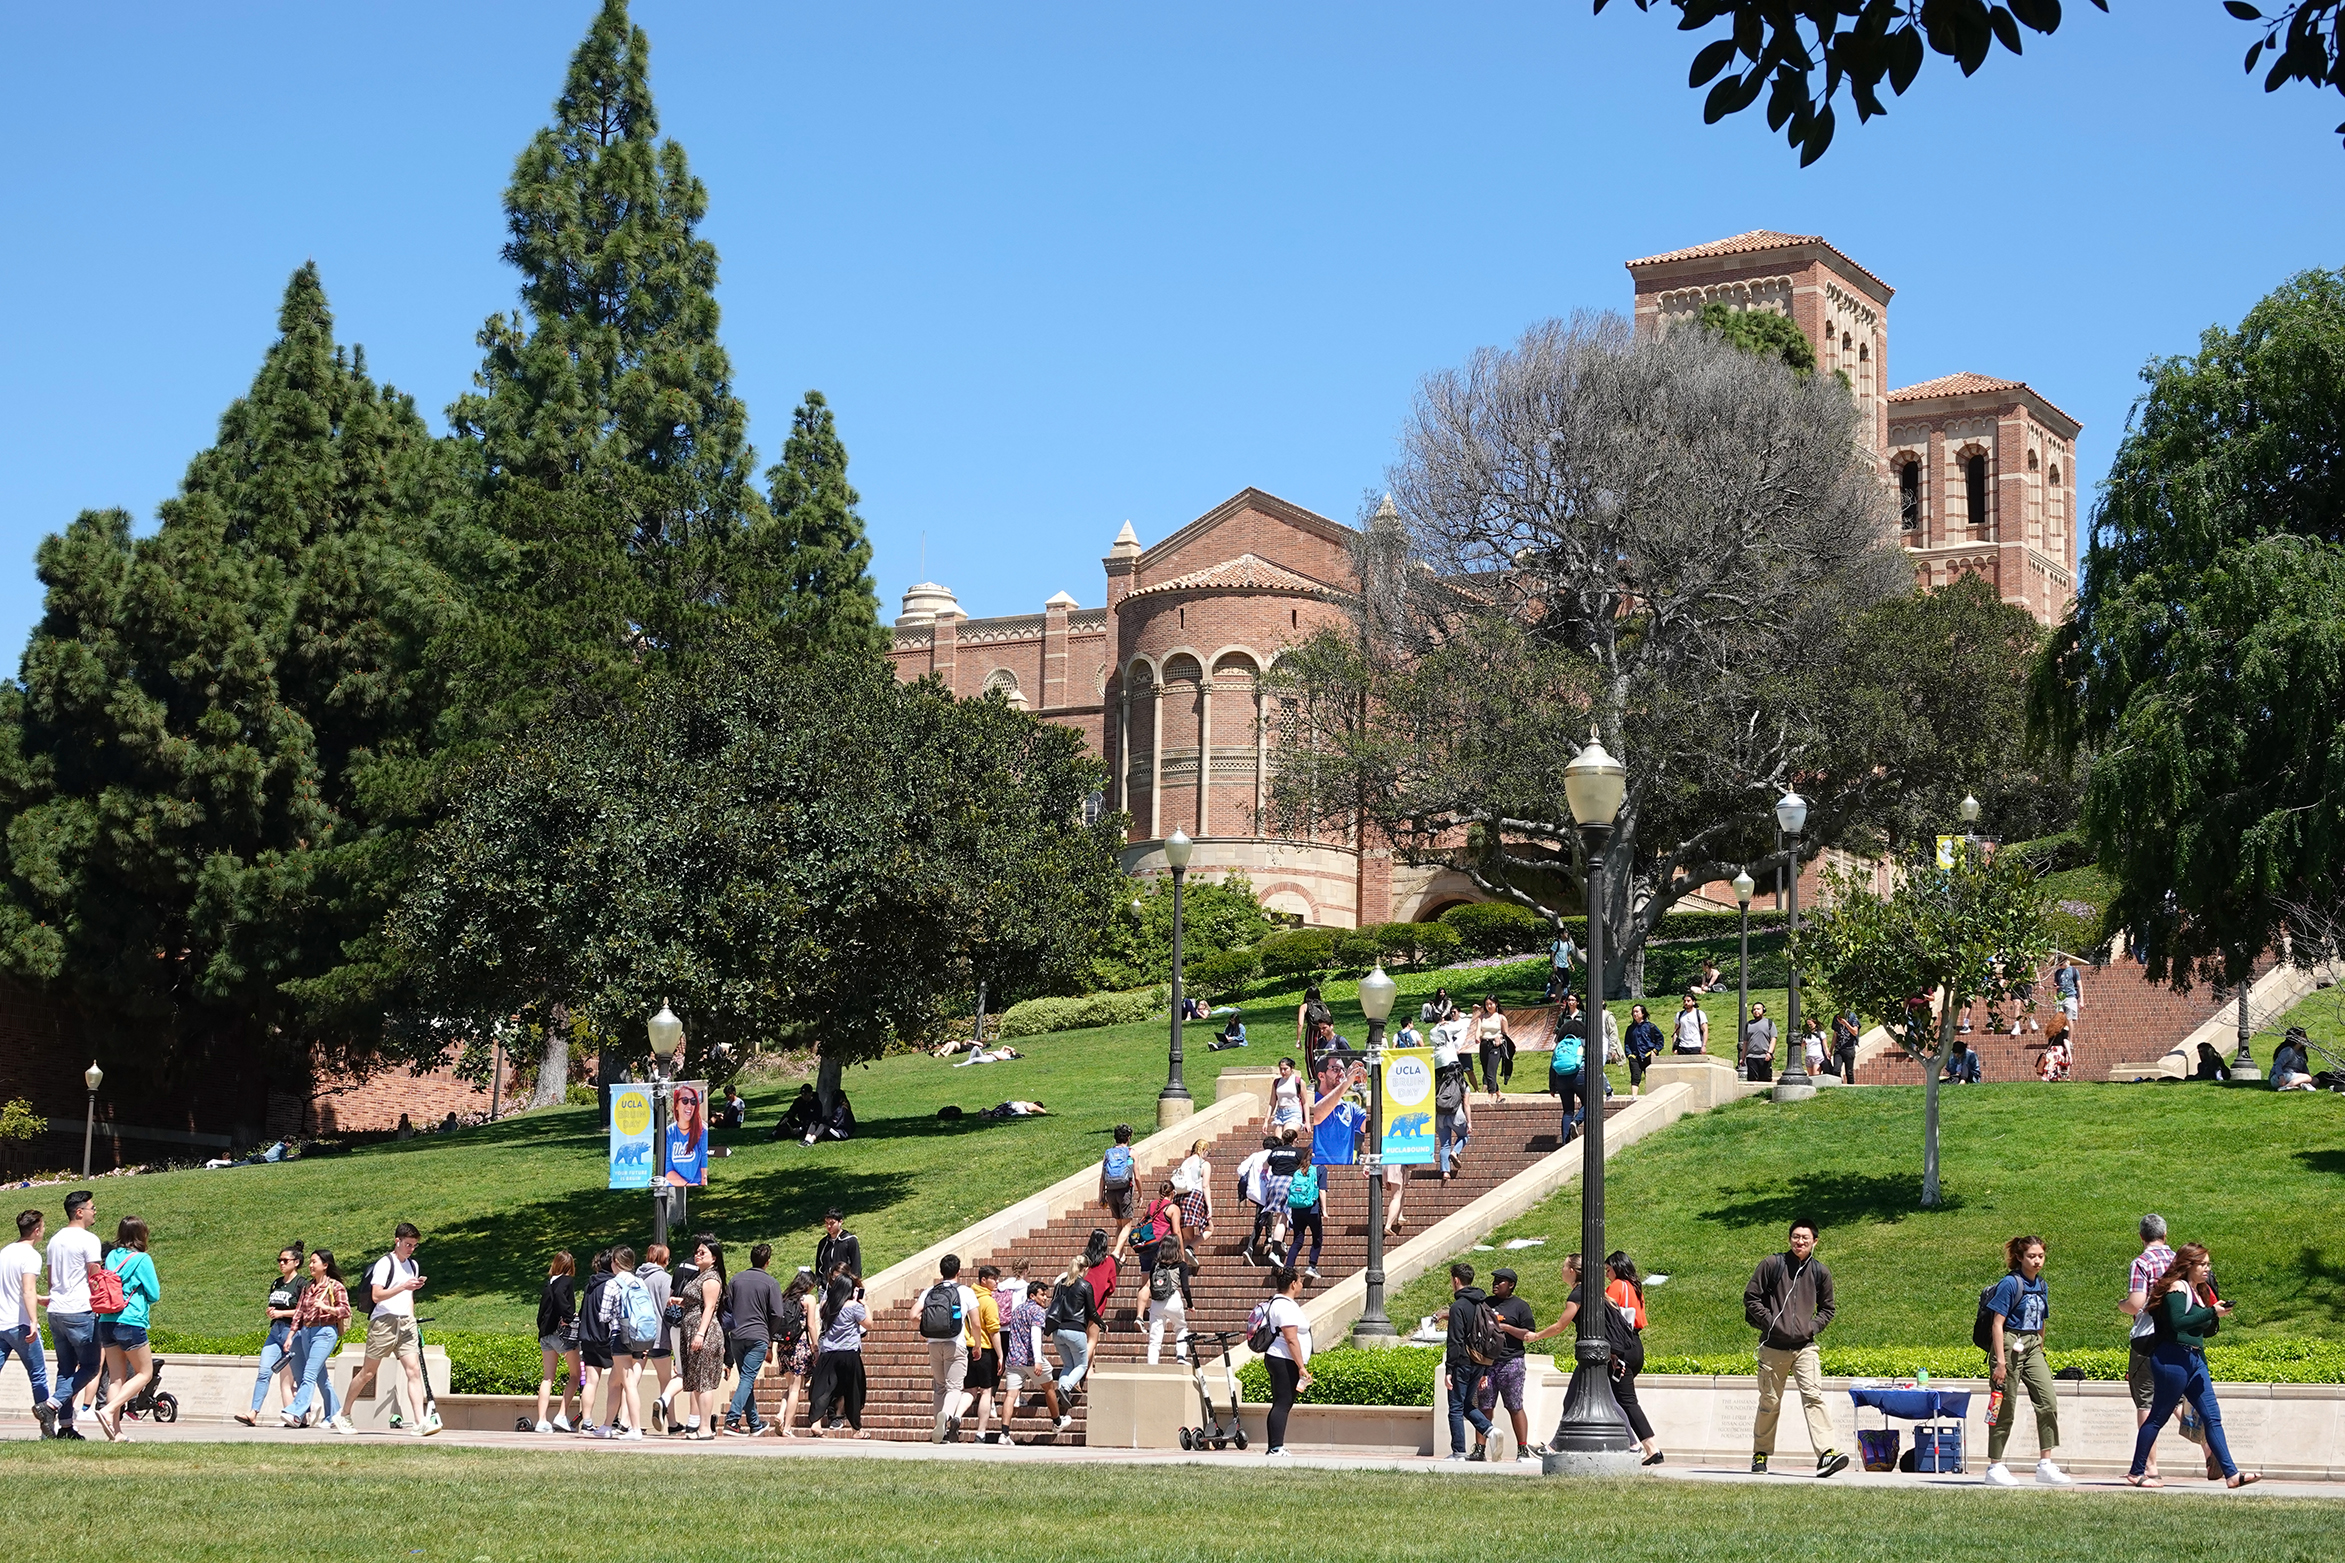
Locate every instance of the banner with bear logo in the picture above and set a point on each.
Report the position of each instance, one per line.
(1408, 1107)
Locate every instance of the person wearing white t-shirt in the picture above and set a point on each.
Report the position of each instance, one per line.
(1289, 1357)
(20, 1285)
(390, 1331)
(73, 1252)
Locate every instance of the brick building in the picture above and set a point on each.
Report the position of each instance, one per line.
(1165, 679)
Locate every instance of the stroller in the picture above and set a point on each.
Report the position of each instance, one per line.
(1213, 1433)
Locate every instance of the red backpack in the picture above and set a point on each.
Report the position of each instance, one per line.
(106, 1291)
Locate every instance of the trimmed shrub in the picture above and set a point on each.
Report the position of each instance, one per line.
(1497, 928)
(1711, 925)
(1437, 943)
(480, 1362)
(1033, 1017)
(1296, 951)
(1397, 942)
(579, 1095)
(1229, 969)
(1357, 949)
(1350, 1376)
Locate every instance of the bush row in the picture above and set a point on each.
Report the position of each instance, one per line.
(1346, 1376)
(1296, 952)
(1032, 1017)
(480, 1362)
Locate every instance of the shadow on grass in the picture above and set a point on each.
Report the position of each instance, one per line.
(505, 1254)
(2323, 1160)
(1832, 1199)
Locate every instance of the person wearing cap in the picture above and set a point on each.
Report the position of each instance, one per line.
(1503, 1384)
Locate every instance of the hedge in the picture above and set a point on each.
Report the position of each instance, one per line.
(1295, 951)
(1221, 971)
(480, 1362)
(1035, 1016)
(1497, 928)
(1404, 1376)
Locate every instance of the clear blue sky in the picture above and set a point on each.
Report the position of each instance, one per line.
(1058, 267)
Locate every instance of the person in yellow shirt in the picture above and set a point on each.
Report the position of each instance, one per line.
(981, 1332)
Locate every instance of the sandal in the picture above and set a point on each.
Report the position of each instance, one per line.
(2145, 1481)
(247, 1419)
(2244, 1479)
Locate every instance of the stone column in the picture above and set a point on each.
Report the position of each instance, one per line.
(1261, 759)
(1936, 524)
(1204, 752)
(1156, 763)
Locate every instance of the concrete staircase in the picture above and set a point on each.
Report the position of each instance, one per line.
(1508, 1138)
(2125, 1019)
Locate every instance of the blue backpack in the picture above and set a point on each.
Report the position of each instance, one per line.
(638, 1317)
(1567, 1057)
(1302, 1191)
(1119, 1168)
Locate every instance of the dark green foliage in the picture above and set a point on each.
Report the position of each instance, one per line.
(774, 847)
(1357, 949)
(2204, 668)
(1353, 1376)
(1800, 57)
(1216, 915)
(1219, 973)
(211, 764)
(828, 604)
(1762, 333)
(1499, 928)
(1295, 952)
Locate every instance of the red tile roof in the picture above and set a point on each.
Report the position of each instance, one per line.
(1966, 383)
(1753, 242)
(1249, 572)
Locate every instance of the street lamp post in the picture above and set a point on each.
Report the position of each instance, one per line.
(93, 1077)
(1376, 991)
(1593, 1438)
(667, 1039)
(1744, 885)
(1791, 812)
(1173, 1102)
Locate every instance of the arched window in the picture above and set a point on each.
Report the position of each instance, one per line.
(1974, 478)
(2055, 473)
(2031, 461)
(1909, 496)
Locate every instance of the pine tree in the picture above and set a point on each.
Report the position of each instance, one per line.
(206, 764)
(826, 602)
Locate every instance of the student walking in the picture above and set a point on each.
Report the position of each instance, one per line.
(2183, 1322)
(1163, 1265)
(1461, 1375)
(392, 1282)
(1567, 1074)
(794, 1337)
(653, 1273)
(1022, 1359)
(1251, 1191)
(1625, 1291)
(1789, 1302)
(700, 1334)
(838, 1370)
(318, 1320)
(1289, 1357)
(73, 1326)
(1276, 1220)
(276, 1351)
(1758, 1045)
(1195, 1181)
(1490, 1042)
(2017, 1311)
(2068, 988)
(594, 1344)
(1641, 1044)
(1071, 1322)
(2147, 1268)
(1503, 1383)
(837, 1248)
(1118, 1177)
(944, 1323)
(122, 1331)
(20, 1287)
(983, 1341)
(757, 1305)
(1335, 1136)
(1286, 1097)
(1692, 1027)
(557, 1341)
(633, 1325)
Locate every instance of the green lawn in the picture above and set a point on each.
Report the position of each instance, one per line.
(474, 1506)
(2256, 1175)
(495, 1202)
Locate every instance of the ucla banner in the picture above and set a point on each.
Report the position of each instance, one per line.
(688, 1133)
(631, 1137)
(1408, 1107)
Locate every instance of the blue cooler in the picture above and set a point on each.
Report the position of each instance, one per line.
(1937, 1447)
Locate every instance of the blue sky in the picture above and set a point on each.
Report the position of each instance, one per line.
(1057, 267)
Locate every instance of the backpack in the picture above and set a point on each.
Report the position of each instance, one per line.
(1316, 1013)
(1118, 1165)
(1163, 1281)
(1484, 1339)
(1260, 1337)
(639, 1320)
(1302, 1191)
(362, 1290)
(1449, 1092)
(789, 1326)
(1153, 1228)
(106, 1288)
(940, 1311)
(1982, 1328)
(1567, 1056)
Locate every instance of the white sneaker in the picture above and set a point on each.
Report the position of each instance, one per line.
(2051, 1475)
(1275, 1454)
(1064, 1422)
(343, 1424)
(1999, 1475)
(631, 1433)
(431, 1425)
(545, 1427)
(561, 1423)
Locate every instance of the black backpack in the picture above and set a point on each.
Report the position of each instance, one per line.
(789, 1325)
(1316, 1013)
(940, 1312)
(1485, 1341)
(1982, 1328)
(362, 1291)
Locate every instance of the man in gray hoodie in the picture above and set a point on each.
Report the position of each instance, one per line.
(1789, 1302)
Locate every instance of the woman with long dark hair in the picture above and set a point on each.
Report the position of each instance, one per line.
(701, 1337)
(795, 1332)
(1289, 1357)
(838, 1367)
(1625, 1291)
(130, 1364)
(277, 1351)
(2181, 1324)
(557, 1341)
(318, 1320)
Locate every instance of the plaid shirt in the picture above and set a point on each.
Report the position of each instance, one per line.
(323, 1302)
(2151, 1263)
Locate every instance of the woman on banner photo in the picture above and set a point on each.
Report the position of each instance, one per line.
(688, 1138)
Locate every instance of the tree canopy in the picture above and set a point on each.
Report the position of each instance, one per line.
(2204, 668)
(1800, 57)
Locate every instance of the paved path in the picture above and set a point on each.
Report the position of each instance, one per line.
(803, 1448)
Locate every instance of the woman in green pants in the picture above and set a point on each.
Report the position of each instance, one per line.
(2017, 1311)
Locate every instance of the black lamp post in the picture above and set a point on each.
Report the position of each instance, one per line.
(667, 1038)
(1173, 1103)
(1791, 812)
(1594, 1438)
(1743, 886)
(93, 1077)
(1376, 991)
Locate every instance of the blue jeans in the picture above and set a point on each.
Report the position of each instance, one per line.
(78, 1361)
(2179, 1374)
(1074, 1348)
(274, 1351)
(745, 1394)
(313, 1348)
(25, 1342)
(1464, 1380)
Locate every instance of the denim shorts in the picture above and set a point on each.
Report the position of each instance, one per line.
(123, 1336)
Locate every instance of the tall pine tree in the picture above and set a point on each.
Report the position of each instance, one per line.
(826, 603)
(210, 763)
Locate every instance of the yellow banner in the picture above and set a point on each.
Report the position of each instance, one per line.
(1408, 1106)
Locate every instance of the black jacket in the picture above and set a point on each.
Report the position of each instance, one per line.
(1788, 1303)
(833, 1249)
(1462, 1307)
(591, 1329)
